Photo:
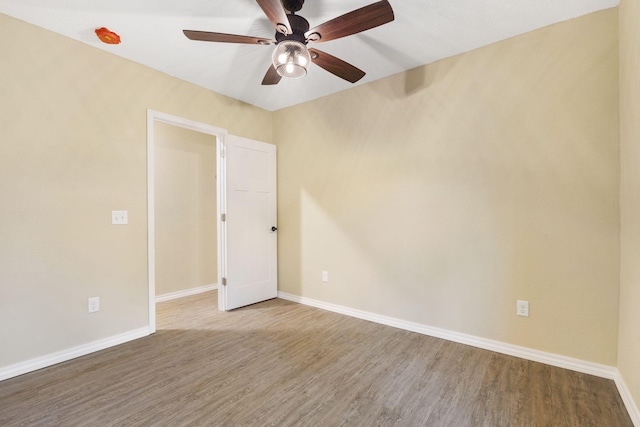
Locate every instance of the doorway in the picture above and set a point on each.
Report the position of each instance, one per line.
(193, 219)
(185, 212)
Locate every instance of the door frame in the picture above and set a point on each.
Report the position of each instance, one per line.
(220, 134)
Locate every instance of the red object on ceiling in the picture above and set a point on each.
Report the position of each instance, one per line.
(107, 36)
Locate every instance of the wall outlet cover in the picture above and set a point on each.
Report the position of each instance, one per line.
(94, 304)
(522, 308)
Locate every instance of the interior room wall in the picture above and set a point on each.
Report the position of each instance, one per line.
(186, 252)
(73, 148)
(629, 338)
(440, 195)
(444, 194)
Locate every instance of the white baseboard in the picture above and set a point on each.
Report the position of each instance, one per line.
(565, 362)
(625, 394)
(71, 353)
(185, 293)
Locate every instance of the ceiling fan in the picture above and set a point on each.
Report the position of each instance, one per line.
(292, 58)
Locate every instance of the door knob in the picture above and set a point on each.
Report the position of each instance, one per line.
(274, 229)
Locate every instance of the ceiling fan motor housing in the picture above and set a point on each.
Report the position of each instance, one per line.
(292, 5)
(299, 26)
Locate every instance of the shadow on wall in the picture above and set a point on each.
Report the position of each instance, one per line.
(415, 80)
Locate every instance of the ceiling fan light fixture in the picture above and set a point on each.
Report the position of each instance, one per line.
(291, 59)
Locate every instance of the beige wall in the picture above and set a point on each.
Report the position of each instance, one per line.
(629, 338)
(185, 209)
(440, 195)
(72, 149)
(443, 194)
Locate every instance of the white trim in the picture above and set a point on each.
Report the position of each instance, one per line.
(625, 394)
(152, 117)
(221, 193)
(151, 225)
(185, 293)
(71, 353)
(577, 365)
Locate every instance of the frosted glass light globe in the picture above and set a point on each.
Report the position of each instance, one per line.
(291, 59)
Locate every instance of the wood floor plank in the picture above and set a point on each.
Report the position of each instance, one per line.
(283, 364)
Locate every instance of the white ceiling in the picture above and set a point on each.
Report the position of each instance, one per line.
(423, 31)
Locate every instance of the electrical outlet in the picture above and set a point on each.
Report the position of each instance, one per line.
(522, 308)
(94, 304)
(325, 276)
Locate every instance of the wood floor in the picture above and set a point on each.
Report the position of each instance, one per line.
(283, 364)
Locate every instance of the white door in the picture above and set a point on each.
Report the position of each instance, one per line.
(249, 243)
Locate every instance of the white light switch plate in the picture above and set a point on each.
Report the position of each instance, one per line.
(119, 217)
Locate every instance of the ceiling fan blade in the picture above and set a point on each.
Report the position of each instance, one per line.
(276, 14)
(354, 22)
(272, 77)
(336, 66)
(207, 36)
